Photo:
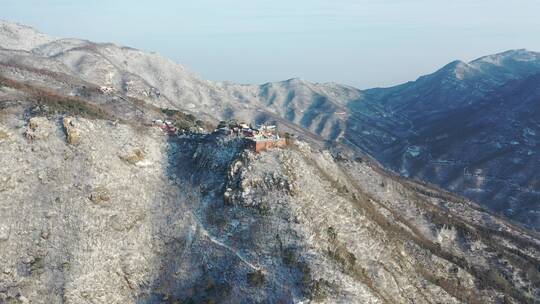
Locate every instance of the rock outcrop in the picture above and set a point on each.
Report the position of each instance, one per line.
(73, 136)
(38, 128)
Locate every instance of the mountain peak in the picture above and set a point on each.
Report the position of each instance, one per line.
(295, 80)
(522, 55)
(456, 64)
(503, 66)
(16, 36)
(456, 69)
(512, 64)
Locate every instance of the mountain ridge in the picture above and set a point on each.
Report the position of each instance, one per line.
(100, 203)
(384, 122)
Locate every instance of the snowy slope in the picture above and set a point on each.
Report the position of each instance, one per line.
(417, 119)
(20, 37)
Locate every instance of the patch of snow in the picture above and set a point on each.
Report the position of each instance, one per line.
(529, 132)
(414, 151)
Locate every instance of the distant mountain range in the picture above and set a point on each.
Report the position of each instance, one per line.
(471, 128)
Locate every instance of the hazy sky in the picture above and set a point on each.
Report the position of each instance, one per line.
(357, 42)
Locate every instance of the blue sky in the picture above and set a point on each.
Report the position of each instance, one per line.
(356, 42)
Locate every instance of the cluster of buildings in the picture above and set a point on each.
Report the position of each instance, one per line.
(259, 138)
(166, 126)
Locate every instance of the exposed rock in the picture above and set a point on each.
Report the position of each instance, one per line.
(73, 135)
(38, 128)
(100, 195)
(33, 123)
(227, 196)
(45, 234)
(134, 156)
(4, 135)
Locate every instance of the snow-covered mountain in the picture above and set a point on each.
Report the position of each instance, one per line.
(16, 36)
(445, 128)
(469, 127)
(168, 84)
(100, 205)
